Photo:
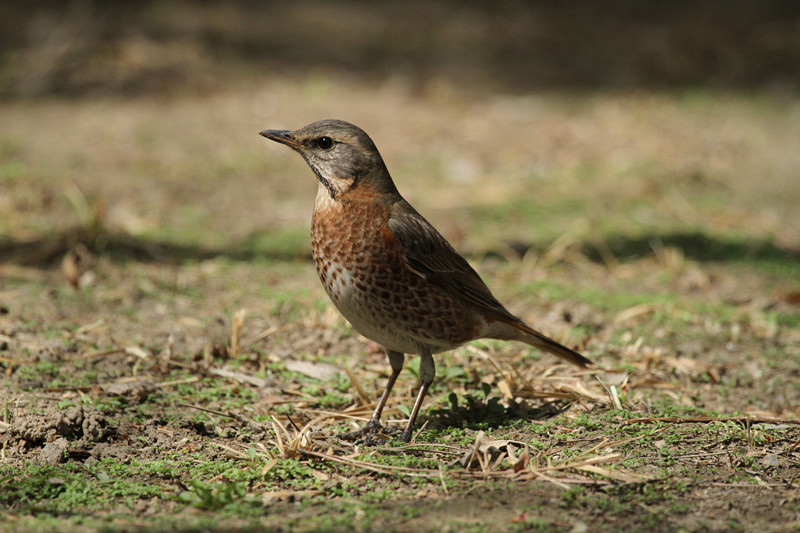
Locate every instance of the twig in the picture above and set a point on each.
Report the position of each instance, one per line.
(296, 428)
(236, 453)
(236, 330)
(707, 419)
(240, 377)
(268, 332)
(706, 454)
(68, 389)
(218, 413)
(88, 327)
(12, 361)
(192, 379)
(444, 485)
(357, 384)
(375, 467)
(97, 353)
(748, 485)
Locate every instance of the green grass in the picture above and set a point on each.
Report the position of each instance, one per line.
(55, 490)
(659, 207)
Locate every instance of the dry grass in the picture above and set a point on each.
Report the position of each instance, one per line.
(627, 225)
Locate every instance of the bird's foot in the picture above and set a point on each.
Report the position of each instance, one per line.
(372, 434)
(406, 436)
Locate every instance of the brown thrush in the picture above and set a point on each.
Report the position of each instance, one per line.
(387, 269)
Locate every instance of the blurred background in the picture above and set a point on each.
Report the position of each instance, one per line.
(126, 47)
(611, 122)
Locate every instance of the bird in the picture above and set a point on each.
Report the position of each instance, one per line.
(388, 271)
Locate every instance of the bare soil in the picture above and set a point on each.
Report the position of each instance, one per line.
(658, 233)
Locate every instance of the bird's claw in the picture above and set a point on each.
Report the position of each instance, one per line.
(372, 434)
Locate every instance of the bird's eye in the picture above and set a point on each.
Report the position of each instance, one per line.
(325, 143)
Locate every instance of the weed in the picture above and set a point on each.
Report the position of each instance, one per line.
(212, 496)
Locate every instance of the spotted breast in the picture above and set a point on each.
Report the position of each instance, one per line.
(365, 275)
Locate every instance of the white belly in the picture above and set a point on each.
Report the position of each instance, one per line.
(366, 316)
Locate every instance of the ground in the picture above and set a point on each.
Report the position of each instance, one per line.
(170, 360)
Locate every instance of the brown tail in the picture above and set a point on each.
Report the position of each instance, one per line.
(543, 342)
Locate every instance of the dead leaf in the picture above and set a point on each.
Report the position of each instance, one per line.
(76, 264)
(239, 376)
(139, 388)
(320, 371)
(523, 462)
(473, 455)
(634, 312)
(792, 297)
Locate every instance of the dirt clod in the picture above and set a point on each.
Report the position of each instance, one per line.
(54, 452)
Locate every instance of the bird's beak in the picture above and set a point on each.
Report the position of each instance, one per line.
(281, 136)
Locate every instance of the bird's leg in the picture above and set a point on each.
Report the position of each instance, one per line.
(396, 360)
(427, 371)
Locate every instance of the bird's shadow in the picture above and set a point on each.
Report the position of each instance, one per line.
(482, 411)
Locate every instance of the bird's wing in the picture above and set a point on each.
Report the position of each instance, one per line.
(430, 256)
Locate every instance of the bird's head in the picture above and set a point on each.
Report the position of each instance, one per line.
(342, 156)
